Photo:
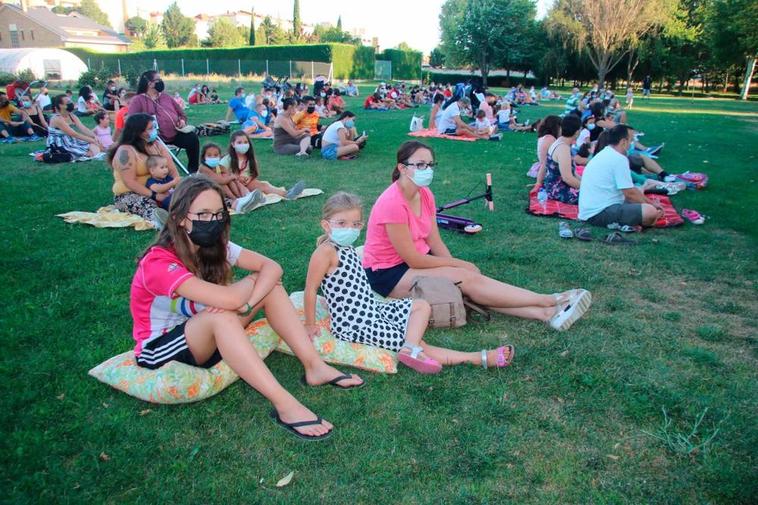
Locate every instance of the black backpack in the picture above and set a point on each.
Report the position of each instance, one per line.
(55, 154)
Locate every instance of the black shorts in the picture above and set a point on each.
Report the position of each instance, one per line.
(384, 280)
(172, 346)
(636, 164)
(621, 213)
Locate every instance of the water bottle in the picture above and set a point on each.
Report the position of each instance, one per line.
(542, 198)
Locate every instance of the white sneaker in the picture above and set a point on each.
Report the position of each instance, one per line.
(249, 202)
(295, 190)
(579, 301)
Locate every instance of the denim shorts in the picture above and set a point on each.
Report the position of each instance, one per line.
(329, 152)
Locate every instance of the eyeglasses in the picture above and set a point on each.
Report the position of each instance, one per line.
(221, 215)
(346, 224)
(422, 166)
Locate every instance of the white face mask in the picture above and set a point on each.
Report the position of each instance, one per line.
(242, 148)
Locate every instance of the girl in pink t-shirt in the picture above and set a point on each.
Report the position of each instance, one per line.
(355, 313)
(403, 241)
(186, 308)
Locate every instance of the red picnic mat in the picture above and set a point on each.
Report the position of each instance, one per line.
(562, 210)
(433, 133)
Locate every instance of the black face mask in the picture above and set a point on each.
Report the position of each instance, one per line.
(160, 86)
(311, 109)
(70, 106)
(206, 233)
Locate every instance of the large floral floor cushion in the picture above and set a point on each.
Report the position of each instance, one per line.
(176, 382)
(339, 352)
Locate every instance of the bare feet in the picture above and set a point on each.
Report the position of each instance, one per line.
(324, 373)
(295, 412)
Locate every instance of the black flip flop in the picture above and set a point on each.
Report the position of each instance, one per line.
(335, 382)
(291, 427)
(583, 234)
(616, 238)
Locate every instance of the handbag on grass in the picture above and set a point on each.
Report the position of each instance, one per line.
(446, 299)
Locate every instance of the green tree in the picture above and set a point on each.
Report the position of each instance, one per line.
(269, 33)
(151, 38)
(450, 17)
(491, 33)
(136, 25)
(90, 9)
(733, 37)
(178, 29)
(339, 23)
(324, 32)
(436, 57)
(297, 26)
(251, 40)
(223, 33)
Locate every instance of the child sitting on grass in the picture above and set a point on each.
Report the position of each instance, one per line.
(103, 129)
(241, 162)
(398, 324)
(236, 195)
(192, 258)
(160, 182)
(483, 126)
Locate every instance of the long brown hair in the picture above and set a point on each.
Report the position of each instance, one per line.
(551, 125)
(405, 151)
(208, 263)
(252, 163)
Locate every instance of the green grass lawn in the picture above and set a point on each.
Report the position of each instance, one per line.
(673, 327)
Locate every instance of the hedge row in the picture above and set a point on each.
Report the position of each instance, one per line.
(499, 81)
(405, 64)
(348, 61)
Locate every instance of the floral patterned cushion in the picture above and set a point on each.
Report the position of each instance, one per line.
(176, 382)
(339, 352)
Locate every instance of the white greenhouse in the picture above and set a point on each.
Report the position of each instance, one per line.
(46, 64)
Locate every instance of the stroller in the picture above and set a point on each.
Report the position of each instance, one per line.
(279, 85)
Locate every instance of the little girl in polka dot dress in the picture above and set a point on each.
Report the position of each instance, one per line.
(358, 316)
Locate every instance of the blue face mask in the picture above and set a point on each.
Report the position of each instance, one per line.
(349, 123)
(423, 178)
(344, 236)
(591, 126)
(153, 136)
(212, 162)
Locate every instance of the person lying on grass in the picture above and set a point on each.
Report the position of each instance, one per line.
(608, 193)
(403, 242)
(192, 258)
(397, 325)
(240, 161)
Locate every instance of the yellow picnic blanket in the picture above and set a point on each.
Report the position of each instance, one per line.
(110, 217)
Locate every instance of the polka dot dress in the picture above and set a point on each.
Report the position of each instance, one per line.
(356, 315)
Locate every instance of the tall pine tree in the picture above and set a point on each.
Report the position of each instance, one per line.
(297, 26)
(339, 23)
(252, 27)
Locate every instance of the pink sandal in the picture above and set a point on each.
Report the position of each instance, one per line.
(500, 360)
(426, 365)
(693, 216)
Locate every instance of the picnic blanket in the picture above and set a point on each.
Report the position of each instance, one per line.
(110, 217)
(562, 210)
(433, 133)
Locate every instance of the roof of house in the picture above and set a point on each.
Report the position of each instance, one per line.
(67, 26)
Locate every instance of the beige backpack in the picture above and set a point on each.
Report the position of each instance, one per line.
(446, 299)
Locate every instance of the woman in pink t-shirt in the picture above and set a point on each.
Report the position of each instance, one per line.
(186, 308)
(403, 241)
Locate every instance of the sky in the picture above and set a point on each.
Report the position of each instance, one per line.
(395, 21)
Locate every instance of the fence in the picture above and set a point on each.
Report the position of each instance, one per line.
(228, 67)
